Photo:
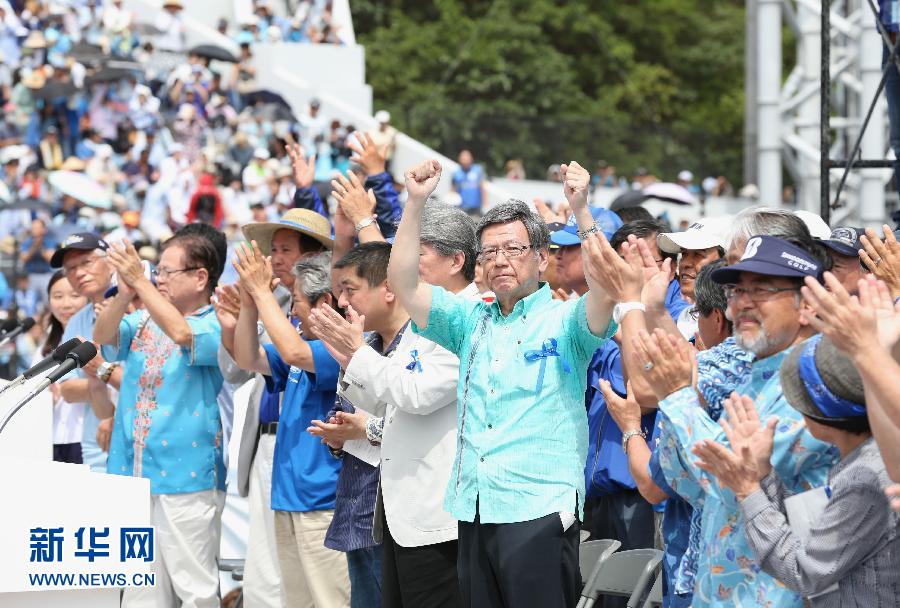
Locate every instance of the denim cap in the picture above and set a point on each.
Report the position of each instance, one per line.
(770, 256)
(821, 382)
(845, 241)
(607, 221)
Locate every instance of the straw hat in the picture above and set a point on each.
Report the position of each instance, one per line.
(35, 40)
(304, 221)
(173, 4)
(73, 163)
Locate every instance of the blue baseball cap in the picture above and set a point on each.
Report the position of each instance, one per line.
(567, 235)
(770, 256)
(845, 241)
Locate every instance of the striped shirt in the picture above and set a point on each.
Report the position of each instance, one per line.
(357, 485)
(854, 543)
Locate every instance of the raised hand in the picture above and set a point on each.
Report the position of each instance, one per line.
(626, 412)
(342, 337)
(422, 179)
(620, 278)
(227, 304)
(656, 277)
(353, 199)
(882, 258)
(253, 267)
(366, 154)
(852, 323)
(576, 184)
(304, 170)
(125, 259)
(669, 363)
(743, 466)
(549, 215)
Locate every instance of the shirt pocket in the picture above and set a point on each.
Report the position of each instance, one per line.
(536, 369)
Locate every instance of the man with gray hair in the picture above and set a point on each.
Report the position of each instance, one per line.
(416, 388)
(517, 483)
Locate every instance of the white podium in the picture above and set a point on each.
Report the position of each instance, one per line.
(68, 537)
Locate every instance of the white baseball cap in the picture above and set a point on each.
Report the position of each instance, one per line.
(817, 226)
(382, 116)
(685, 176)
(702, 234)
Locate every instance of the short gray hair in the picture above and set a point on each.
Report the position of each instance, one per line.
(450, 230)
(515, 210)
(313, 274)
(767, 221)
(709, 295)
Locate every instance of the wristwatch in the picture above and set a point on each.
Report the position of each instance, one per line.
(623, 308)
(363, 223)
(105, 370)
(628, 436)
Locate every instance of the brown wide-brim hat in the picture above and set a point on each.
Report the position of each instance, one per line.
(173, 4)
(304, 221)
(837, 372)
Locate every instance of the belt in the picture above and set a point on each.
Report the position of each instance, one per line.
(268, 428)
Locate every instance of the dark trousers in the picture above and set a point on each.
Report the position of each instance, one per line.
(419, 577)
(519, 565)
(626, 517)
(67, 452)
(364, 568)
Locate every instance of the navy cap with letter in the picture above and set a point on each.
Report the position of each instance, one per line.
(845, 241)
(83, 241)
(770, 256)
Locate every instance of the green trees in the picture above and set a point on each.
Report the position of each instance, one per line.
(655, 83)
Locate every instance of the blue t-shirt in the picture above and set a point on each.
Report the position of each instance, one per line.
(468, 184)
(304, 474)
(37, 264)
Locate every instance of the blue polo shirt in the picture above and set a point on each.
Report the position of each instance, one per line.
(606, 470)
(468, 184)
(304, 475)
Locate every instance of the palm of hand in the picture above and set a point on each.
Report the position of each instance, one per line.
(887, 326)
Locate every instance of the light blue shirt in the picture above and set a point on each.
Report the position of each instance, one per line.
(521, 421)
(82, 325)
(727, 573)
(167, 425)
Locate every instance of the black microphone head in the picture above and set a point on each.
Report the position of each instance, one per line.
(8, 326)
(83, 353)
(59, 354)
(27, 324)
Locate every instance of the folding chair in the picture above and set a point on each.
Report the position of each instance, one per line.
(655, 598)
(591, 555)
(625, 574)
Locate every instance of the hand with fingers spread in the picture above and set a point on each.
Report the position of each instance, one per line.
(852, 323)
(747, 462)
(626, 412)
(354, 201)
(304, 169)
(669, 363)
(342, 337)
(367, 154)
(620, 278)
(656, 277)
(129, 268)
(882, 258)
(343, 427)
(254, 268)
(227, 304)
(422, 180)
(576, 184)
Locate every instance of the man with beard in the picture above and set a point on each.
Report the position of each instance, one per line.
(764, 304)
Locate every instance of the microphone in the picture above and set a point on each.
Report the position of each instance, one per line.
(25, 326)
(51, 360)
(77, 357)
(7, 326)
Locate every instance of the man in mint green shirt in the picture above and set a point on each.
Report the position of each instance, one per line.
(517, 483)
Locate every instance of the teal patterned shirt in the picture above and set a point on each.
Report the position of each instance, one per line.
(521, 422)
(727, 572)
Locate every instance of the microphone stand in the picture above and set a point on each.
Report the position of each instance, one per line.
(31, 395)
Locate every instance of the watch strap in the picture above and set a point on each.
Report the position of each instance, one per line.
(628, 436)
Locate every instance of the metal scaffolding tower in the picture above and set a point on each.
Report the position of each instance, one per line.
(811, 136)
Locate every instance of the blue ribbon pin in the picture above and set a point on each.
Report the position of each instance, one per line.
(547, 350)
(415, 364)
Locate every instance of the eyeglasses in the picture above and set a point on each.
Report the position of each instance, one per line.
(694, 313)
(82, 265)
(164, 273)
(510, 251)
(756, 294)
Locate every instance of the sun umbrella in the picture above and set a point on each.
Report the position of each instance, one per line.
(632, 198)
(211, 51)
(275, 112)
(670, 193)
(80, 186)
(54, 89)
(266, 96)
(30, 204)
